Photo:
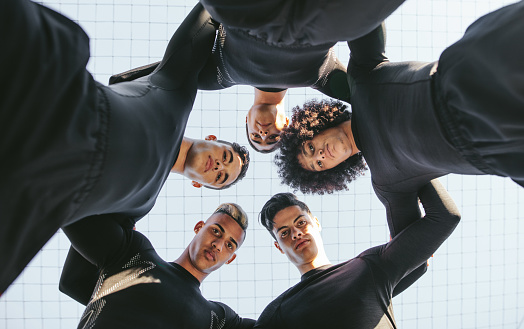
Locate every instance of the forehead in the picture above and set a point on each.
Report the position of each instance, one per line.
(288, 215)
(230, 226)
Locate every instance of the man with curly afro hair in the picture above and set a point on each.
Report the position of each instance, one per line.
(314, 118)
(413, 122)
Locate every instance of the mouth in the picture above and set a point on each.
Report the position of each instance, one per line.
(209, 255)
(209, 164)
(329, 151)
(301, 243)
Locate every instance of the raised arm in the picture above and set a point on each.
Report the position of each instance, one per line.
(78, 278)
(188, 51)
(101, 238)
(416, 243)
(367, 52)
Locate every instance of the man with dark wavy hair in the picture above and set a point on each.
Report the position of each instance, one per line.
(356, 293)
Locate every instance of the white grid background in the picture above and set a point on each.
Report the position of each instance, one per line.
(475, 280)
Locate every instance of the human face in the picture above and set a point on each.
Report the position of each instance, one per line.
(212, 164)
(326, 150)
(297, 236)
(215, 243)
(264, 124)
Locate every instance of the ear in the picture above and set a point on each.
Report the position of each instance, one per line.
(198, 226)
(196, 184)
(211, 138)
(230, 260)
(278, 247)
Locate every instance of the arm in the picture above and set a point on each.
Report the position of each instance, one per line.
(336, 85)
(99, 239)
(367, 52)
(402, 210)
(79, 277)
(416, 243)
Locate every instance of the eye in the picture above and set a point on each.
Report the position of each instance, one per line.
(224, 157)
(218, 177)
(274, 137)
(311, 148)
(283, 234)
(230, 245)
(216, 231)
(319, 163)
(301, 222)
(255, 135)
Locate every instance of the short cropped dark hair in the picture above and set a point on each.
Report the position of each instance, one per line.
(278, 202)
(275, 146)
(314, 117)
(244, 157)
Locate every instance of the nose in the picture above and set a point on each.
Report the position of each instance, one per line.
(218, 165)
(217, 245)
(296, 234)
(321, 155)
(263, 133)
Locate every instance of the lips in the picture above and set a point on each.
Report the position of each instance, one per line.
(301, 243)
(209, 164)
(329, 151)
(210, 255)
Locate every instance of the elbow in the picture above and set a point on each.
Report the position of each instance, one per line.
(455, 217)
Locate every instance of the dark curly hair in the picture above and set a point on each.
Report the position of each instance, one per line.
(314, 117)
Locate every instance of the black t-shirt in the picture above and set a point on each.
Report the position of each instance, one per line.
(138, 289)
(358, 293)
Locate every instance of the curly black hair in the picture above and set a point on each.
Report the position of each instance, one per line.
(314, 117)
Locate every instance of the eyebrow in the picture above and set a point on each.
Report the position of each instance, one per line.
(283, 227)
(224, 231)
(226, 176)
(311, 165)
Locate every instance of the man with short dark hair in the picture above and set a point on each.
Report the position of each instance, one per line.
(138, 289)
(356, 293)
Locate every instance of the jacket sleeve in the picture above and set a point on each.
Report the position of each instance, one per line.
(367, 52)
(78, 278)
(416, 243)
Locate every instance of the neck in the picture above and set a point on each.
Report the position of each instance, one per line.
(185, 261)
(319, 261)
(346, 126)
(180, 162)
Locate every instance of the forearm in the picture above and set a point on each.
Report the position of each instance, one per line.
(367, 52)
(97, 238)
(336, 84)
(78, 278)
(414, 245)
